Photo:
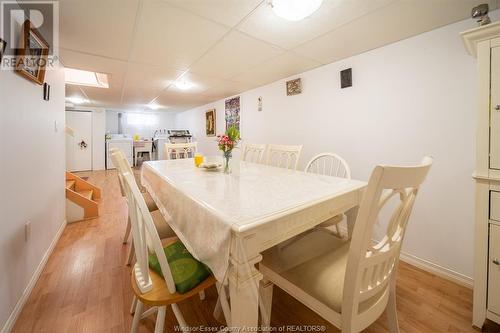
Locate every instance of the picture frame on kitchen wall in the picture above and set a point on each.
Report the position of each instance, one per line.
(210, 123)
(232, 112)
(31, 56)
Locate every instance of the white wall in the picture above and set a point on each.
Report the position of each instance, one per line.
(32, 179)
(409, 99)
(162, 120)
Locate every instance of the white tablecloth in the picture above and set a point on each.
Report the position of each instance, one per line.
(207, 206)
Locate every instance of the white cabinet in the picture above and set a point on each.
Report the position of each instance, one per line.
(495, 109)
(484, 44)
(494, 270)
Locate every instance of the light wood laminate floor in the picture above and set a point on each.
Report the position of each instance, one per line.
(85, 287)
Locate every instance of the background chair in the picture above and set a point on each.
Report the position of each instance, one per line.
(149, 287)
(141, 147)
(254, 152)
(283, 156)
(350, 283)
(329, 164)
(180, 150)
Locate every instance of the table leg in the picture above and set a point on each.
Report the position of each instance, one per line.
(351, 215)
(244, 290)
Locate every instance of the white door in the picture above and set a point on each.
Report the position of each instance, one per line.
(79, 146)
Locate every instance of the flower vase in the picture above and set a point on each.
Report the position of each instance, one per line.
(227, 162)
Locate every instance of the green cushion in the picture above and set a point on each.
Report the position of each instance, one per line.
(186, 270)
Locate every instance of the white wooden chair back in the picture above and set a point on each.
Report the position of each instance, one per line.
(371, 268)
(180, 150)
(145, 236)
(119, 154)
(329, 164)
(254, 152)
(283, 156)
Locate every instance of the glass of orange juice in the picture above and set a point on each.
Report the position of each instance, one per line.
(198, 159)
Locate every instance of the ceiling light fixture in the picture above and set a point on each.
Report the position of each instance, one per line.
(85, 78)
(77, 100)
(153, 106)
(295, 10)
(183, 85)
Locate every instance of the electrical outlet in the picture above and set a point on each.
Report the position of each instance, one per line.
(56, 126)
(27, 231)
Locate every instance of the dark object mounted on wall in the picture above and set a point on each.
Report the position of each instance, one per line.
(3, 44)
(293, 87)
(480, 14)
(346, 78)
(31, 57)
(46, 91)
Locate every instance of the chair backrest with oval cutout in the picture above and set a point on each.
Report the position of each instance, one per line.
(329, 164)
(282, 156)
(144, 233)
(371, 268)
(253, 152)
(180, 150)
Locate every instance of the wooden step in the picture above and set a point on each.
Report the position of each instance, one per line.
(86, 193)
(70, 184)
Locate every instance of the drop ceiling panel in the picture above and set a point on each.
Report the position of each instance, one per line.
(168, 36)
(145, 82)
(174, 98)
(398, 21)
(285, 65)
(234, 55)
(74, 91)
(265, 25)
(98, 27)
(114, 68)
(228, 88)
(227, 12)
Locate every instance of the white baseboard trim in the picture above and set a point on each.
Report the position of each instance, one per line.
(438, 270)
(9, 324)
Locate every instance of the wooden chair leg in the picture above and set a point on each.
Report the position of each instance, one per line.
(391, 311)
(137, 317)
(265, 304)
(127, 232)
(131, 254)
(160, 319)
(133, 305)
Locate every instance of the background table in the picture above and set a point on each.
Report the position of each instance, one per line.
(226, 221)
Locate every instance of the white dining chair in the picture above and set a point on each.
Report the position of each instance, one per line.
(150, 288)
(328, 164)
(180, 150)
(282, 156)
(350, 283)
(253, 152)
(142, 147)
(120, 161)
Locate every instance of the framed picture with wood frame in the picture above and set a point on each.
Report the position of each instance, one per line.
(31, 56)
(210, 122)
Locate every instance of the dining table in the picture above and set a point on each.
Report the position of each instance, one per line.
(227, 220)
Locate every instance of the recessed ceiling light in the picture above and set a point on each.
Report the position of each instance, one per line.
(85, 78)
(183, 85)
(153, 106)
(77, 100)
(295, 10)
